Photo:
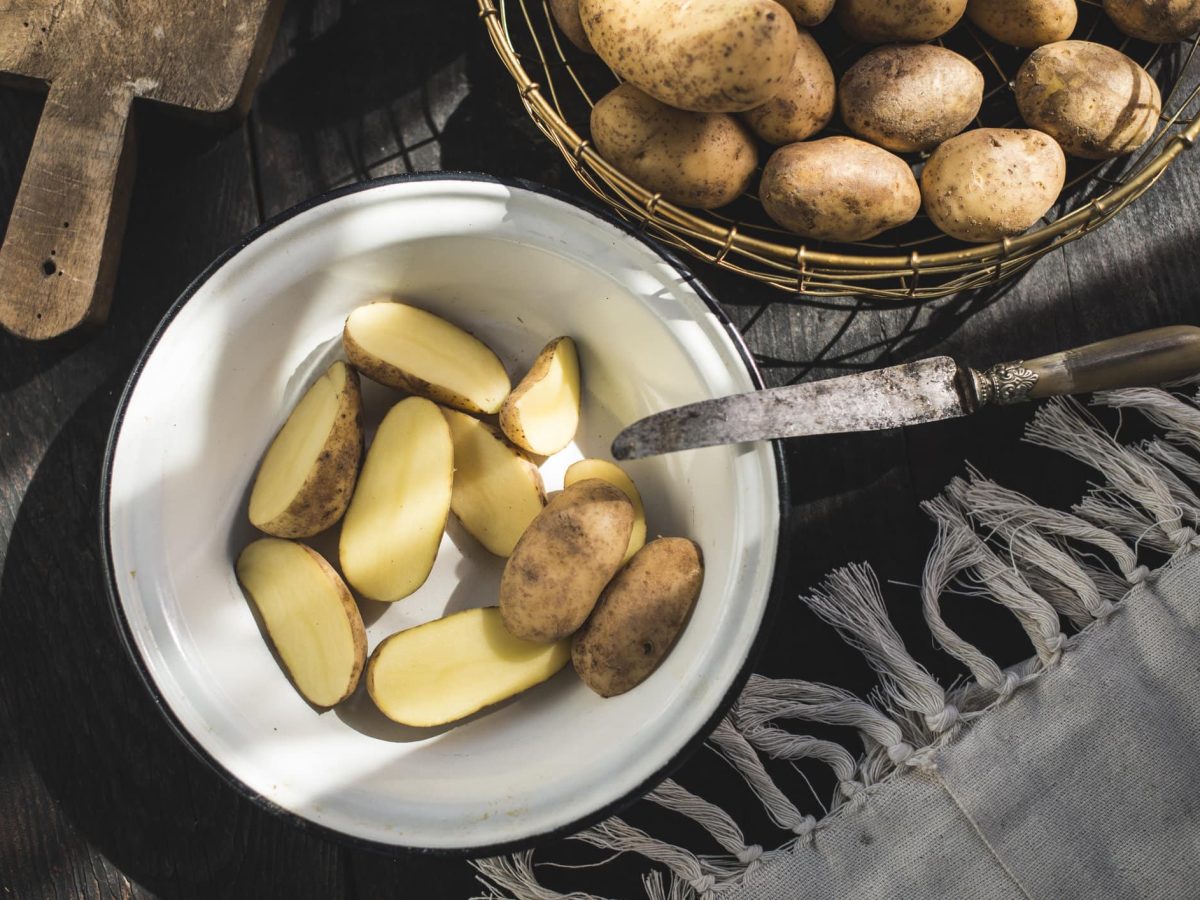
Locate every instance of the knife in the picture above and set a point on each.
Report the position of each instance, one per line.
(913, 393)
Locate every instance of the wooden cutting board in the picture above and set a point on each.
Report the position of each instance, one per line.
(60, 253)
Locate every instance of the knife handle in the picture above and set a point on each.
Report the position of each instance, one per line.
(1133, 360)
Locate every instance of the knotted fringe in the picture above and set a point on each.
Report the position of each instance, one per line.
(1043, 565)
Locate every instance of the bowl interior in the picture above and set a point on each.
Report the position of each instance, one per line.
(516, 268)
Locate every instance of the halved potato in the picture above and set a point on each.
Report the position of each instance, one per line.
(393, 528)
(310, 617)
(542, 413)
(497, 490)
(614, 475)
(415, 351)
(307, 474)
(449, 668)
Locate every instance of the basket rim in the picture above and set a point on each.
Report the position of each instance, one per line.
(791, 258)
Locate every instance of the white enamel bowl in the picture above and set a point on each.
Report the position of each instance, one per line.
(517, 266)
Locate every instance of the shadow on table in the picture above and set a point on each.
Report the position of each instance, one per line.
(90, 728)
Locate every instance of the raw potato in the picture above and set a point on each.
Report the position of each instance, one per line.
(497, 490)
(566, 16)
(310, 617)
(1094, 100)
(699, 55)
(307, 474)
(804, 105)
(614, 475)
(1024, 23)
(696, 159)
(415, 351)
(542, 413)
(393, 528)
(1156, 21)
(564, 560)
(989, 183)
(444, 670)
(838, 189)
(638, 618)
(910, 97)
(808, 13)
(892, 21)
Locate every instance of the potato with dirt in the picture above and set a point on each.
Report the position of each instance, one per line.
(1156, 21)
(564, 560)
(893, 21)
(639, 617)
(1024, 23)
(838, 189)
(910, 97)
(1094, 100)
(705, 160)
(698, 55)
(806, 102)
(991, 183)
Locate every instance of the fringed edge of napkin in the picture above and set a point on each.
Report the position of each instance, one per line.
(1042, 564)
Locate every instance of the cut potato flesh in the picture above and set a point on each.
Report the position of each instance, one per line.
(497, 490)
(614, 475)
(394, 525)
(307, 474)
(449, 668)
(310, 617)
(414, 350)
(541, 415)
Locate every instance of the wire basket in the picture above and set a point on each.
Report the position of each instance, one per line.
(558, 85)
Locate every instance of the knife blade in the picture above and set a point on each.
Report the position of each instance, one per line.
(914, 393)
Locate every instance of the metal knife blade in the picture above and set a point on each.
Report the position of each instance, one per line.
(909, 394)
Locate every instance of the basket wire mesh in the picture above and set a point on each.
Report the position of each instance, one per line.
(559, 84)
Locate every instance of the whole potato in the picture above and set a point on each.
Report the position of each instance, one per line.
(1024, 23)
(1092, 99)
(696, 159)
(806, 103)
(564, 560)
(808, 13)
(566, 16)
(1157, 21)
(638, 617)
(989, 183)
(888, 21)
(699, 55)
(909, 97)
(838, 189)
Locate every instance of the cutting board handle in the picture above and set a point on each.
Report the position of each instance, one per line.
(59, 256)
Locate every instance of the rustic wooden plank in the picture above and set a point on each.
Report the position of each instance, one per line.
(61, 249)
(98, 798)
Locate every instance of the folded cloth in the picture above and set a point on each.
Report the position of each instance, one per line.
(1075, 774)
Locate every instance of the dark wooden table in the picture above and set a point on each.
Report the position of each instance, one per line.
(97, 797)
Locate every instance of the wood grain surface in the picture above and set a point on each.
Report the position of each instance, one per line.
(99, 799)
(62, 246)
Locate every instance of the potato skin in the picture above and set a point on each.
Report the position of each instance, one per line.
(838, 189)
(1156, 21)
(564, 560)
(1024, 23)
(989, 183)
(639, 616)
(910, 97)
(566, 16)
(695, 159)
(329, 486)
(808, 13)
(1094, 100)
(806, 102)
(889, 21)
(699, 55)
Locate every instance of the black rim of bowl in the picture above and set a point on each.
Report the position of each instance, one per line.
(694, 743)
